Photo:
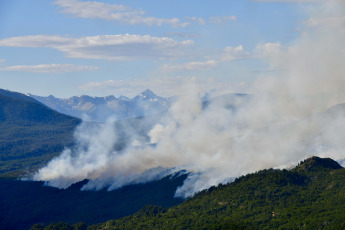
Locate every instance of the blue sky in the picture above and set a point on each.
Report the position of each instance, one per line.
(75, 47)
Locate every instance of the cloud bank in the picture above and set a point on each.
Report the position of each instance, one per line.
(49, 68)
(121, 13)
(128, 15)
(109, 47)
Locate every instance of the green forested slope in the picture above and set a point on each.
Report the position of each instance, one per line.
(30, 133)
(311, 196)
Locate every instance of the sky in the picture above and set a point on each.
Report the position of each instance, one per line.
(114, 47)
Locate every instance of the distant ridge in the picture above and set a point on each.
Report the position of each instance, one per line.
(99, 109)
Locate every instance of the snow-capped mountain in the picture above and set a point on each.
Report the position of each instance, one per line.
(100, 108)
(148, 95)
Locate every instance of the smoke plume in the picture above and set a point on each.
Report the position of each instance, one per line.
(292, 114)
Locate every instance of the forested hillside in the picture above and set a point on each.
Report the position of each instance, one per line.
(31, 133)
(310, 196)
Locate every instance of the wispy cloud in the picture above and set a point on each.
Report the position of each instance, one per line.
(229, 53)
(190, 66)
(183, 34)
(268, 50)
(222, 19)
(198, 20)
(49, 68)
(265, 50)
(128, 15)
(212, 20)
(121, 13)
(163, 86)
(233, 53)
(110, 47)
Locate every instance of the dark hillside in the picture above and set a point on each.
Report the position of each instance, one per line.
(16, 95)
(24, 203)
(27, 111)
(31, 133)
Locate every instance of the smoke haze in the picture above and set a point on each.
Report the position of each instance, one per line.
(285, 120)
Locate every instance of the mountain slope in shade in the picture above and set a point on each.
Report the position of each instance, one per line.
(31, 133)
(19, 109)
(16, 95)
(24, 203)
(100, 108)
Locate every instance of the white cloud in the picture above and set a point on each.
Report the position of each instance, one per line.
(110, 47)
(268, 50)
(222, 19)
(199, 20)
(190, 66)
(234, 53)
(229, 54)
(183, 34)
(262, 51)
(49, 68)
(124, 14)
(213, 20)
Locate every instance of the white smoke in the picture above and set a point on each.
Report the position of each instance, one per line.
(217, 142)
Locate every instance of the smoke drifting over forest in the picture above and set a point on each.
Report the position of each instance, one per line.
(273, 127)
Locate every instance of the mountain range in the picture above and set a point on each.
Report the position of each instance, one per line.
(99, 109)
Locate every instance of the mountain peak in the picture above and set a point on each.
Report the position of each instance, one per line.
(147, 93)
(315, 163)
